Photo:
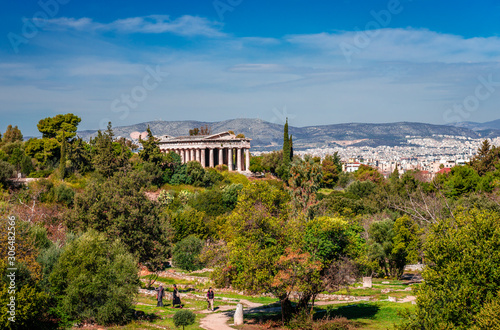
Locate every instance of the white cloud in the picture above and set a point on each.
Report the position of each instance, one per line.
(411, 45)
(186, 25)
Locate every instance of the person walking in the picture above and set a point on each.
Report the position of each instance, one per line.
(176, 298)
(159, 295)
(210, 299)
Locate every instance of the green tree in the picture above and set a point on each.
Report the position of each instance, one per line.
(461, 277)
(107, 155)
(31, 300)
(6, 171)
(45, 151)
(186, 254)
(12, 134)
(62, 161)
(407, 243)
(150, 149)
(53, 127)
(461, 180)
(184, 318)
(486, 158)
(120, 209)
(305, 178)
(331, 168)
(380, 245)
(96, 280)
(256, 164)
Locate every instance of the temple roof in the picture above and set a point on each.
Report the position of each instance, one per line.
(219, 136)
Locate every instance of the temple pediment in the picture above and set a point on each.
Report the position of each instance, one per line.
(218, 136)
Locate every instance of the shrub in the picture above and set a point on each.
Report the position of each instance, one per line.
(64, 194)
(186, 254)
(165, 197)
(461, 279)
(6, 171)
(95, 280)
(183, 318)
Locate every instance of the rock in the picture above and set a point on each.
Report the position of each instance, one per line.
(385, 282)
(385, 290)
(392, 299)
(367, 282)
(238, 315)
(408, 289)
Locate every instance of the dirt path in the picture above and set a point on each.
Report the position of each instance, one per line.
(218, 320)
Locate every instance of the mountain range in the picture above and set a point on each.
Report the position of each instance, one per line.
(269, 136)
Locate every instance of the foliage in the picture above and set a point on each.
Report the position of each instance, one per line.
(186, 254)
(165, 198)
(119, 208)
(62, 161)
(407, 242)
(6, 171)
(489, 315)
(331, 167)
(30, 299)
(366, 172)
(461, 277)
(12, 134)
(150, 149)
(96, 280)
(108, 156)
(286, 145)
(183, 318)
(380, 246)
(361, 188)
(305, 178)
(55, 127)
(189, 221)
(45, 150)
(486, 159)
(256, 164)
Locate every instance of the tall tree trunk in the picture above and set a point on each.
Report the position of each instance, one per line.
(286, 309)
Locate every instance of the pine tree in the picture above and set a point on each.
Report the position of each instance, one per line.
(12, 134)
(286, 145)
(62, 161)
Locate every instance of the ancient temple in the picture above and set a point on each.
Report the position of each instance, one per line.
(210, 150)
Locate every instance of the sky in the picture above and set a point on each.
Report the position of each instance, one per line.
(315, 62)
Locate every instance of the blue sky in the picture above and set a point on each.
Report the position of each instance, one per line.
(320, 62)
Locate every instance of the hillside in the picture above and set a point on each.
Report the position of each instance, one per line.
(268, 136)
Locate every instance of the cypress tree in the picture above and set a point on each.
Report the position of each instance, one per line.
(286, 145)
(62, 162)
(291, 148)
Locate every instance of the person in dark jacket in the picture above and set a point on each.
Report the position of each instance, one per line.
(210, 299)
(176, 298)
(159, 296)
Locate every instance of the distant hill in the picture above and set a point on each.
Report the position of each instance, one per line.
(489, 125)
(269, 136)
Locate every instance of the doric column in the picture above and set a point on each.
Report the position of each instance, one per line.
(183, 156)
(247, 160)
(230, 159)
(203, 158)
(198, 152)
(238, 158)
(191, 155)
(211, 157)
(221, 159)
(188, 154)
